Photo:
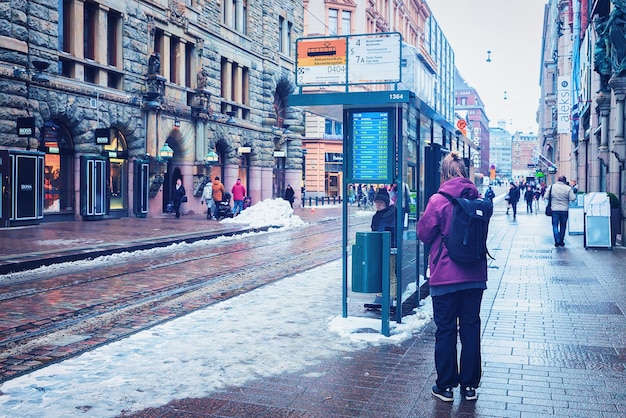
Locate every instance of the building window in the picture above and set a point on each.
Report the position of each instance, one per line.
(114, 35)
(235, 15)
(90, 33)
(332, 21)
(89, 30)
(174, 53)
(346, 22)
(340, 21)
(177, 58)
(284, 36)
(64, 29)
(235, 88)
(333, 129)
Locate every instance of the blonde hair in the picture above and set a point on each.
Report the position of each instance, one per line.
(453, 166)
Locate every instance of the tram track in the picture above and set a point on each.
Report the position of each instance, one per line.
(210, 277)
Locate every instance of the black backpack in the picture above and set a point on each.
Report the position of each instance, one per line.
(467, 240)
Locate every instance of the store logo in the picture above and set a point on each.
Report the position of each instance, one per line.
(26, 187)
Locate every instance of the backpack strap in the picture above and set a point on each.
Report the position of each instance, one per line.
(451, 200)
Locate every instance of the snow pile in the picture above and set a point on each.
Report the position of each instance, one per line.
(270, 212)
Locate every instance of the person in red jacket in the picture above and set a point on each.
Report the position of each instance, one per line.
(239, 192)
(456, 289)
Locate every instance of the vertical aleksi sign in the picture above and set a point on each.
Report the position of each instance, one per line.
(564, 105)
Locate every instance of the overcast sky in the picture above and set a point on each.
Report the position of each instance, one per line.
(512, 31)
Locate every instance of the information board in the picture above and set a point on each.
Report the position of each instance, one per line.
(374, 58)
(370, 145)
(371, 59)
(321, 61)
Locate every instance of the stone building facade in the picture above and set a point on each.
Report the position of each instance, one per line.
(109, 83)
(583, 86)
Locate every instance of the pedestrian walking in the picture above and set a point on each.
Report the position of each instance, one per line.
(207, 198)
(537, 196)
(290, 195)
(178, 196)
(514, 196)
(239, 192)
(456, 289)
(529, 196)
(490, 194)
(560, 194)
(218, 191)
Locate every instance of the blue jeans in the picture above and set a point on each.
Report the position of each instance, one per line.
(238, 207)
(463, 305)
(559, 223)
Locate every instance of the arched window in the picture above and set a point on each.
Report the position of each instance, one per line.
(58, 169)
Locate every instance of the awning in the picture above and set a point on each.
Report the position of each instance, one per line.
(543, 160)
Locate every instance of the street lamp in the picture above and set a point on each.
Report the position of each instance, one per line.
(165, 153)
(211, 157)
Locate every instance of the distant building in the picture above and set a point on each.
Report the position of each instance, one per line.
(469, 105)
(500, 146)
(524, 150)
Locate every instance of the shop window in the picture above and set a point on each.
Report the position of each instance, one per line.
(58, 169)
(118, 171)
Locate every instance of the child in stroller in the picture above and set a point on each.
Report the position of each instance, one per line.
(224, 210)
(247, 202)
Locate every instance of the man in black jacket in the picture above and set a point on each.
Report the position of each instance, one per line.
(514, 196)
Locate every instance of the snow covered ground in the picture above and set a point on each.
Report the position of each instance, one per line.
(279, 328)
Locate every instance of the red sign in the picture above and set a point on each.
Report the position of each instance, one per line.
(461, 124)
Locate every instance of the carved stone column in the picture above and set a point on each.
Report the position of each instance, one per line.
(618, 148)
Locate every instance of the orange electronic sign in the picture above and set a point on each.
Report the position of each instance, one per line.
(321, 61)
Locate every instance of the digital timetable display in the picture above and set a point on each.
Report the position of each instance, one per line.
(370, 146)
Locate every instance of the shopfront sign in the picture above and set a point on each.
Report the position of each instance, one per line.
(564, 105)
(25, 127)
(103, 136)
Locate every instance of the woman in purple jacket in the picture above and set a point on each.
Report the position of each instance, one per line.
(456, 289)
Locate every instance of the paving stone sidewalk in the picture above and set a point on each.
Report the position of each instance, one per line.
(554, 337)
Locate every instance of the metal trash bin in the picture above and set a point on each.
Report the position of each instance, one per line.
(367, 262)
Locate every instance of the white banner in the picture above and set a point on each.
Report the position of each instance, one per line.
(563, 105)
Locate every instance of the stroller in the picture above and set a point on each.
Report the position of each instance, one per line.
(223, 208)
(247, 202)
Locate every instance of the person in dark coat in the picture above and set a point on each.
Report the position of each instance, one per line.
(529, 196)
(514, 196)
(385, 220)
(456, 289)
(385, 217)
(177, 196)
(290, 195)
